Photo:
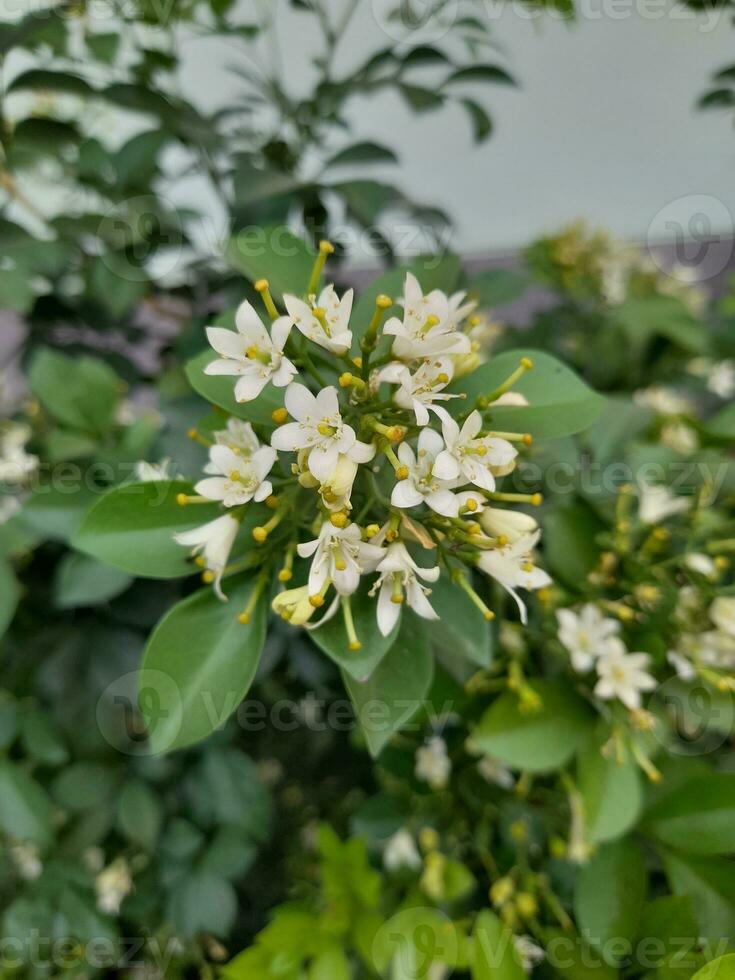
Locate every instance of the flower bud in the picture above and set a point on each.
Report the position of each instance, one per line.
(511, 524)
(294, 605)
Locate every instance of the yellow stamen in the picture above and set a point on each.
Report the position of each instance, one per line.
(183, 499)
(339, 519)
(262, 286)
(279, 415)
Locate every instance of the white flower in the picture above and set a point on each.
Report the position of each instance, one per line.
(241, 478)
(701, 564)
(401, 852)
(419, 391)
(16, 465)
(337, 489)
(722, 614)
(421, 485)
(340, 557)
(433, 765)
(319, 428)
(326, 323)
(27, 859)
(149, 472)
(663, 400)
(238, 435)
(683, 667)
(587, 635)
(623, 675)
(429, 325)
(214, 540)
(680, 437)
(112, 886)
(513, 568)
(9, 507)
(511, 524)
(494, 771)
(716, 649)
(399, 573)
(529, 952)
(656, 503)
(471, 457)
(252, 354)
(721, 381)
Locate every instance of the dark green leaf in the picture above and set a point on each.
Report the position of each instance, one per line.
(481, 123)
(82, 392)
(482, 73)
(25, 810)
(461, 628)
(332, 638)
(139, 814)
(82, 581)
(697, 817)
(362, 153)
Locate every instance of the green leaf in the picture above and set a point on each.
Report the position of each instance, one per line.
(55, 81)
(16, 293)
(199, 664)
(620, 422)
(42, 739)
(103, 46)
(671, 922)
(420, 99)
(698, 817)
(132, 528)
(85, 785)
(333, 964)
(83, 581)
(82, 392)
(230, 855)
(395, 691)
(710, 882)
(611, 791)
(332, 638)
(221, 391)
(25, 810)
(609, 896)
(482, 73)
(496, 287)
(560, 403)
(9, 595)
(574, 959)
(540, 740)
(461, 628)
(203, 903)
(664, 316)
(494, 955)
(481, 123)
(570, 547)
(722, 968)
(722, 425)
(273, 253)
(225, 789)
(364, 152)
(57, 511)
(139, 814)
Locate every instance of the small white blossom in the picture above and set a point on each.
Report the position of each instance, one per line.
(682, 665)
(721, 380)
(399, 573)
(722, 614)
(680, 437)
(319, 428)
(238, 435)
(240, 478)
(529, 952)
(421, 485)
(664, 401)
(418, 391)
(9, 507)
(16, 465)
(214, 541)
(340, 557)
(27, 859)
(251, 354)
(149, 472)
(513, 568)
(469, 456)
(337, 488)
(433, 765)
(623, 675)
(587, 635)
(701, 564)
(327, 322)
(511, 524)
(113, 885)
(429, 324)
(494, 771)
(656, 503)
(401, 852)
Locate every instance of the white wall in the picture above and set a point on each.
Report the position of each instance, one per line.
(603, 126)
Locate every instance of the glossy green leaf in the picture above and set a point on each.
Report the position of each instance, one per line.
(9, 595)
(722, 424)
(25, 810)
(83, 581)
(273, 253)
(540, 740)
(199, 664)
(560, 403)
(494, 955)
(140, 814)
(57, 511)
(570, 545)
(609, 896)
(82, 392)
(711, 884)
(611, 791)
(361, 153)
(461, 628)
(395, 691)
(698, 817)
(722, 968)
(132, 528)
(332, 638)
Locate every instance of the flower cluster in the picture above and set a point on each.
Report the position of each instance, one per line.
(376, 469)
